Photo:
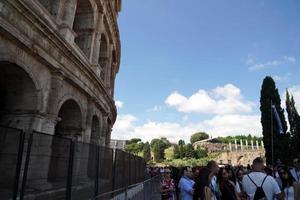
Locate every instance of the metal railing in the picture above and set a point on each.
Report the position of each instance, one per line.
(146, 190)
(43, 166)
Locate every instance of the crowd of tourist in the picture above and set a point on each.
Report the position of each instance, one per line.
(255, 182)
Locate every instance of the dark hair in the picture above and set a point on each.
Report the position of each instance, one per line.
(258, 160)
(185, 168)
(220, 178)
(290, 180)
(211, 163)
(230, 168)
(203, 180)
(237, 172)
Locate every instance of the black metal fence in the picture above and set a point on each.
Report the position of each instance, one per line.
(41, 166)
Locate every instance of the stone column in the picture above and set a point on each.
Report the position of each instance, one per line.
(241, 143)
(252, 147)
(246, 145)
(230, 147)
(235, 142)
(257, 147)
(262, 145)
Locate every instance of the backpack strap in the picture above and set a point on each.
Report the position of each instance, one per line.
(264, 180)
(255, 183)
(252, 180)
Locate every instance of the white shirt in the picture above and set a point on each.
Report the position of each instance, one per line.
(270, 186)
(289, 193)
(296, 174)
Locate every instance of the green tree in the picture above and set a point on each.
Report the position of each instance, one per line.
(294, 121)
(269, 93)
(198, 137)
(181, 144)
(176, 152)
(159, 151)
(147, 152)
(189, 151)
(134, 146)
(201, 153)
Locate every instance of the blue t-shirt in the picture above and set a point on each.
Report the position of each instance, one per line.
(186, 185)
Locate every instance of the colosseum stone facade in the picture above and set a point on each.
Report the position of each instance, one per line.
(59, 60)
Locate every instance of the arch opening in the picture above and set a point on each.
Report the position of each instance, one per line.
(19, 95)
(51, 5)
(84, 26)
(94, 141)
(103, 57)
(69, 126)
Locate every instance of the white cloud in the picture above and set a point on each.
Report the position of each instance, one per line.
(156, 108)
(119, 104)
(220, 125)
(221, 100)
(254, 66)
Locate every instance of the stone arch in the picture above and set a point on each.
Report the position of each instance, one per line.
(103, 55)
(20, 97)
(69, 119)
(69, 126)
(51, 5)
(94, 141)
(83, 26)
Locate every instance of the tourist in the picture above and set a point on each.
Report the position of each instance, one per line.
(227, 187)
(205, 177)
(167, 186)
(258, 184)
(196, 175)
(186, 184)
(214, 169)
(240, 172)
(296, 171)
(232, 177)
(290, 187)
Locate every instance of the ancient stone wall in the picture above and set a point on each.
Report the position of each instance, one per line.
(59, 60)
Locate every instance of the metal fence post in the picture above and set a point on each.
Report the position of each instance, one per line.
(97, 170)
(19, 164)
(70, 170)
(114, 169)
(27, 159)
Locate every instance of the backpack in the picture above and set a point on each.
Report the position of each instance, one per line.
(259, 193)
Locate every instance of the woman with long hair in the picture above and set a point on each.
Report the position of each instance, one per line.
(227, 187)
(167, 186)
(204, 184)
(290, 187)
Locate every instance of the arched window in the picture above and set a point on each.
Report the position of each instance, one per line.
(103, 57)
(18, 91)
(94, 140)
(69, 126)
(51, 5)
(84, 26)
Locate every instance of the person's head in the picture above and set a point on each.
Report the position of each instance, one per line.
(295, 160)
(240, 174)
(231, 175)
(167, 172)
(213, 167)
(222, 176)
(187, 171)
(285, 176)
(298, 164)
(196, 171)
(258, 164)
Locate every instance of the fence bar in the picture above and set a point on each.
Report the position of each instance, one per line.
(97, 171)
(114, 169)
(70, 171)
(27, 159)
(19, 164)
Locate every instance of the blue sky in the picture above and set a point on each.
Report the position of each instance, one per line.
(198, 65)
